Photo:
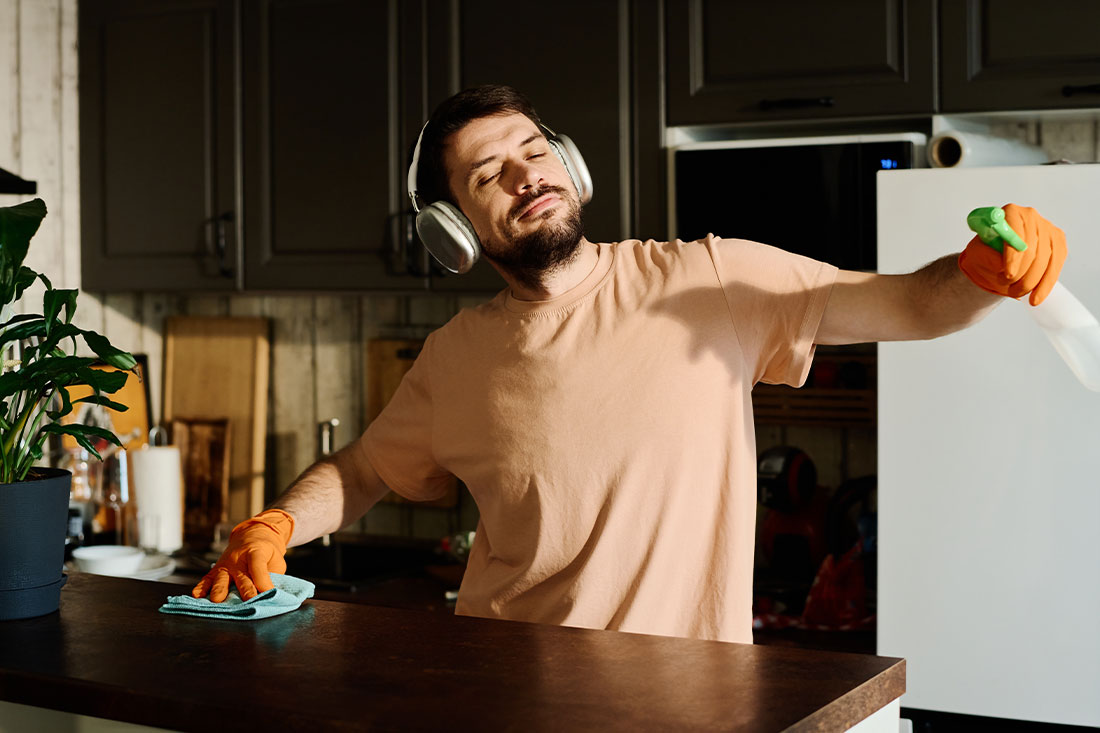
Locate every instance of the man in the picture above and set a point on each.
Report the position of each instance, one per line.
(599, 408)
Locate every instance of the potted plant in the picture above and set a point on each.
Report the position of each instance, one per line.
(34, 500)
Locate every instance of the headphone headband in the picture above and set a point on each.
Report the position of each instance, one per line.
(410, 183)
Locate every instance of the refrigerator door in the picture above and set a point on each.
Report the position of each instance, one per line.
(989, 478)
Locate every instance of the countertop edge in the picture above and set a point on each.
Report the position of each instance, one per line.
(857, 704)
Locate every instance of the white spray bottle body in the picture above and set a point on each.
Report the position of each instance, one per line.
(1073, 331)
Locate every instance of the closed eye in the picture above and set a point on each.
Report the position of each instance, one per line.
(535, 155)
(485, 181)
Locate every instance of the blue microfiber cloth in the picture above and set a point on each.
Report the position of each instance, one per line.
(287, 595)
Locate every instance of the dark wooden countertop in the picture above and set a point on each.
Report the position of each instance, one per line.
(109, 653)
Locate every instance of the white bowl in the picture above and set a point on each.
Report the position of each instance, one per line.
(109, 559)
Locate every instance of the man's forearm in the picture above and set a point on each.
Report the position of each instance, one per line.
(330, 494)
(947, 299)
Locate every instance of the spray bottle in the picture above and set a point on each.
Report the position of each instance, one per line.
(1071, 328)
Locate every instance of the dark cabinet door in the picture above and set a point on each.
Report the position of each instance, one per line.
(803, 59)
(158, 148)
(324, 170)
(1019, 54)
(573, 61)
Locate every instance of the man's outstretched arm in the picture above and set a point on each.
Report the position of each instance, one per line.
(946, 295)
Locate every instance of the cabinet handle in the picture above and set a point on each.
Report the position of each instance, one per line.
(1069, 90)
(219, 244)
(796, 103)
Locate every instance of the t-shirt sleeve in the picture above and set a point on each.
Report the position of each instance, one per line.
(398, 443)
(776, 299)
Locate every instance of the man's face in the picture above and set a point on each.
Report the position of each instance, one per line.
(516, 193)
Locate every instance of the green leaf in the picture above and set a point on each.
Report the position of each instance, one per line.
(61, 371)
(66, 406)
(83, 435)
(58, 333)
(101, 400)
(17, 225)
(101, 380)
(52, 303)
(13, 382)
(18, 319)
(27, 328)
(23, 280)
(102, 347)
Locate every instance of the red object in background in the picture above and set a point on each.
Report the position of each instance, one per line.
(807, 524)
(825, 375)
(837, 597)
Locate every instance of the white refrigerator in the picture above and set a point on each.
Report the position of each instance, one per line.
(989, 470)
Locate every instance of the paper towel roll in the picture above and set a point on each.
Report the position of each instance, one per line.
(158, 491)
(956, 149)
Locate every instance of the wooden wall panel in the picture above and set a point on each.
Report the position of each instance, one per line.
(293, 402)
(122, 318)
(40, 131)
(69, 155)
(9, 92)
(338, 392)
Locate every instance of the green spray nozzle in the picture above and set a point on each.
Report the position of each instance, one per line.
(989, 224)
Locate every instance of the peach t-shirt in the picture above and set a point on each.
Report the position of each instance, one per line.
(607, 434)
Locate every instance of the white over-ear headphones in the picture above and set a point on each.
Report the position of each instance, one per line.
(449, 235)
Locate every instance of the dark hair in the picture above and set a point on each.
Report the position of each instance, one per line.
(452, 115)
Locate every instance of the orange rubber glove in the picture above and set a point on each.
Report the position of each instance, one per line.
(1012, 273)
(256, 549)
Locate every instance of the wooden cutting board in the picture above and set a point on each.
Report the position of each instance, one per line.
(217, 368)
(387, 362)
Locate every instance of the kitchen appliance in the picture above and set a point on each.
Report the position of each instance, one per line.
(988, 501)
(814, 196)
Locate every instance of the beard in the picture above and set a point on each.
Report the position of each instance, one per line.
(533, 256)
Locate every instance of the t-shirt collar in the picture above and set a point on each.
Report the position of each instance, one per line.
(580, 290)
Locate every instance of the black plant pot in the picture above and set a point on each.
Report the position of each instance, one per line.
(32, 543)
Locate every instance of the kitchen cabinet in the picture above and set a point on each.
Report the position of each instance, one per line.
(243, 145)
(760, 62)
(262, 145)
(158, 145)
(324, 135)
(1016, 54)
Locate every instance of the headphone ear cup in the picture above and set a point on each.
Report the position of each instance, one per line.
(574, 165)
(449, 236)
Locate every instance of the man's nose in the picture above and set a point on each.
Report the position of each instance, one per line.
(524, 177)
